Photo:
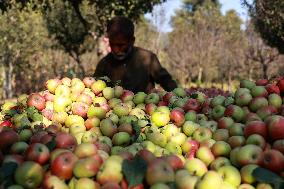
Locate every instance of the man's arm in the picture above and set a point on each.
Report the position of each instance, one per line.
(161, 75)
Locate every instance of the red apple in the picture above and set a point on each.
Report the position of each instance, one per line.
(192, 104)
(279, 145)
(62, 166)
(273, 160)
(272, 88)
(280, 84)
(177, 116)
(65, 140)
(37, 101)
(275, 125)
(88, 81)
(8, 138)
(37, 152)
(255, 127)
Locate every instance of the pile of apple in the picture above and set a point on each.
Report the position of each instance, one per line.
(86, 134)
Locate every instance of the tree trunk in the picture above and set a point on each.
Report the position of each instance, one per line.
(265, 71)
(230, 80)
(200, 72)
(79, 64)
(8, 79)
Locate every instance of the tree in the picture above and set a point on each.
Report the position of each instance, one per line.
(259, 52)
(18, 43)
(268, 18)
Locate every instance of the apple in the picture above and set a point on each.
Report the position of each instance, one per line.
(52, 84)
(150, 108)
(29, 174)
(86, 183)
(195, 167)
(92, 122)
(279, 145)
(272, 89)
(230, 174)
(252, 117)
(221, 148)
(62, 166)
(63, 91)
(255, 127)
(96, 111)
(233, 156)
(110, 170)
(247, 84)
(219, 162)
(257, 140)
(174, 161)
(85, 150)
(257, 103)
(250, 154)
(210, 180)
(66, 81)
(88, 81)
(157, 138)
(121, 139)
(192, 104)
(8, 138)
(273, 160)
(99, 100)
(160, 118)
(139, 98)
(225, 122)
(152, 98)
(190, 116)
(266, 111)
(173, 148)
(85, 98)
(246, 186)
(121, 110)
(217, 100)
(65, 140)
(218, 112)
(263, 186)
(177, 116)
(179, 138)
(275, 100)
(235, 112)
(236, 141)
(184, 180)
(205, 155)
(86, 167)
(221, 135)
(80, 109)
(201, 134)
(107, 127)
(246, 173)
(108, 93)
(98, 86)
(127, 96)
(18, 147)
(159, 171)
(237, 129)
(37, 152)
(37, 101)
(275, 126)
(259, 91)
(243, 98)
(61, 103)
(189, 127)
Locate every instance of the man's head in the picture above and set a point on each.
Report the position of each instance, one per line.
(120, 31)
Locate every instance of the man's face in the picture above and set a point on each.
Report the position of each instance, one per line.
(121, 46)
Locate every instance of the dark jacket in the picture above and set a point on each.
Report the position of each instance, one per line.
(137, 72)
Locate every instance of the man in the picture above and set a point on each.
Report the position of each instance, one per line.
(137, 69)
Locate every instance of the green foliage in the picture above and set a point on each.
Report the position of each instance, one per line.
(268, 18)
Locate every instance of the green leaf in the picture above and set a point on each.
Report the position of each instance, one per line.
(25, 122)
(51, 145)
(266, 176)
(37, 117)
(134, 171)
(11, 112)
(8, 169)
(172, 185)
(195, 95)
(137, 131)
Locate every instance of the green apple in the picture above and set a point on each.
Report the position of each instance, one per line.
(18, 147)
(184, 180)
(219, 162)
(159, 186)
(116, 150)
(60, 103)
(250, 154)
(157, 138)
(221, 135)
(247, 84)
(189, 127)
(52, 181)
(237, 129)
(107, 127)
(153, 98)
(25, 135)
(256, 139)
(139, 113)
(74, 129)
(205, 155)
(62, 90)
(217, 101)
(160, 118)
(118, 90)
(111, 170)
(121, 139)
(99, 100)
(236, 141)
(257, 91)
(173, 147)
(170, 130)
(195, 167)
(86, 183)
(218, 112)
(139, 98)
(275, 100)
(96, 111)
(85, 149)
(86, 167)
(105, 140)
(178, 138)
(29, 174)
(121, 110)
(108, 93)
(246, 173)
(190, 116)
(98, 86)
(201, 134)
(233, 156)
(59, 117)
(221, 148)
(74, 120)
(230, 174)
(210, 180)
(149, 146)
(114, 101)
(89, 136)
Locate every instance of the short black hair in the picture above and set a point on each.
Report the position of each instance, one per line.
(120, 25)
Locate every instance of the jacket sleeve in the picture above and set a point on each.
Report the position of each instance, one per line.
(161, 75)
(100, 69)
